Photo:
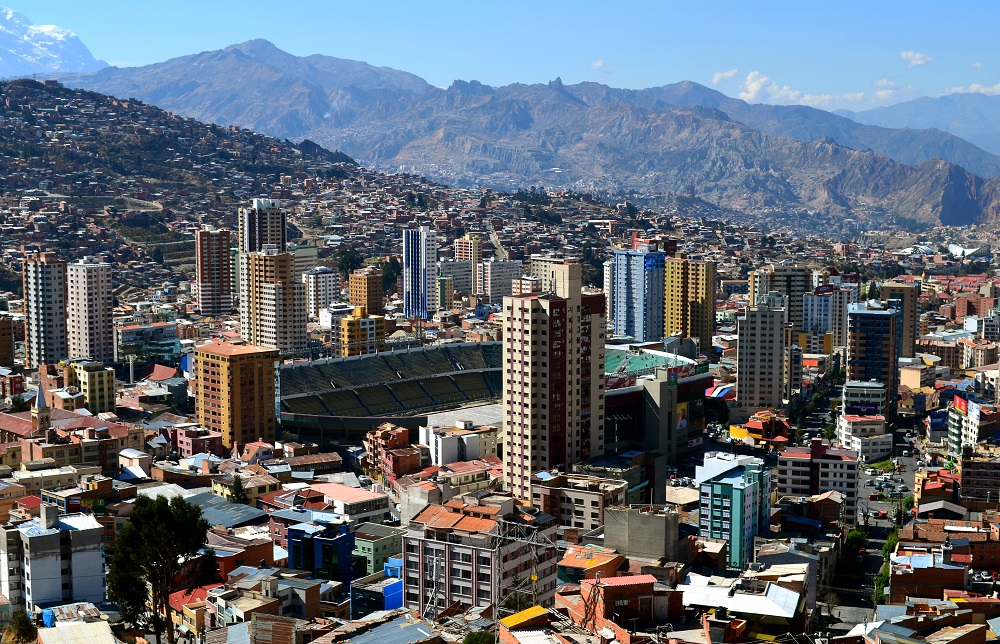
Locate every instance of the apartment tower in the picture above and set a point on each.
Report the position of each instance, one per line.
(45, 300)
(213, 271)
(365, 289)
(322, 286)
(874, 343)
(638, 288)
(760, 357)
(272, 302)
(791, 281)
(419, 268)
(689, 300)
(905, 298)
(553, 345)
(235, 391)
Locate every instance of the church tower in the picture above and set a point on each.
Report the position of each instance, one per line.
(41, 415)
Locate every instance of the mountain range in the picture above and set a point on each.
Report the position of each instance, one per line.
(27, 49)
(588, 135)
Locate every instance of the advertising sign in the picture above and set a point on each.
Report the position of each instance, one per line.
(974, 409)
(961, 405)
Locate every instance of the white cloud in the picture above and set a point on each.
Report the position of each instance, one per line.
(759, 88)
(914, 58)
(754, 86)
(718, 77)
(977, 65)
(602, 66)
(885, 83)
(975, 88)
(884, 95)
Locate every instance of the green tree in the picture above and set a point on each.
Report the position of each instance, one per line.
(348, 260)
(830, 432)
(20, 629)
(856, 540)
(161, 540)
(391, 270)
(158, 255)
(236, 492)
(890, 544)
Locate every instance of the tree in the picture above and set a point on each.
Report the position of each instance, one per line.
(391, 270)
(20, 629)
(832, 600)
(890, 544)
(348, 260)
(856, 540)
(158, 551)
(236, 492)
(829, 432)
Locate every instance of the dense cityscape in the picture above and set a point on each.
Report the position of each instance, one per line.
(258, 391)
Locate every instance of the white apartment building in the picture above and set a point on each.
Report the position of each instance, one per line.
(789, 280)
(452, 444)
(807, 471)
(825, 310)
(494, 279)
(52, 559)
(760, 357)
(90, 326)
(553, 344)
(262, 224)
(322, 287)
(865, 435)
(45, 303)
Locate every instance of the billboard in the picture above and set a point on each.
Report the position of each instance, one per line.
(862, 409)
(825, 288)
(961, 405)
(683, 418)
(974, 409)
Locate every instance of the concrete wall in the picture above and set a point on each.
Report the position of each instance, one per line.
(638, 532)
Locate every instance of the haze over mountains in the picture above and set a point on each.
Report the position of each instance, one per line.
(588, 135)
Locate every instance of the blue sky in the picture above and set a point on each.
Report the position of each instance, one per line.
(830, 54)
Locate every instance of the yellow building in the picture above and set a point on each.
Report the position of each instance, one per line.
(254, 485)
(689, 300)
(361, 333)
(95, 381)
(234, 391)
(364, 288)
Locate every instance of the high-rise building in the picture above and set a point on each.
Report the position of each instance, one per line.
(419, 267)
(468, 249)
(235, 391)
(638, 286)
(305, 257)
(874, 342)
(609, 288)
(213, 271)
(6, 340)
(361, 333)
(322, 287)
(495, 279)
(792, 281)
(272, 302)
(546, 269)
(825, 311)
(45, 300)
(806, 471)
(262, 224)
(364, 288)
(554, 348)
(90, 325)
(462, 273)
(759, 357)
(735, 502)
(906, 299)
(689, 300)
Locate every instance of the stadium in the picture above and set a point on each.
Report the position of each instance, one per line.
(335, 402)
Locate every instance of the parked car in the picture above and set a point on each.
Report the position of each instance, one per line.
(870, 472)
(874, 496)
(881, 514)
(870, 483)
(903, 488)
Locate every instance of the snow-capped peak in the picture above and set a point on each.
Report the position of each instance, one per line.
(27, 48)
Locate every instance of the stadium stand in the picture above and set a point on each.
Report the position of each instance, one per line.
(472, 384)
(411, 395)
(341, 403)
